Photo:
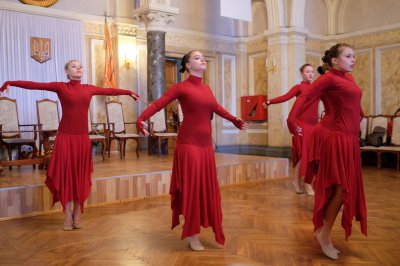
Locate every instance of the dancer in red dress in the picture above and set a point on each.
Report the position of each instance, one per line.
(70, 169)
(339, 179)
(307, 121)
(319, 133)
(194, 186)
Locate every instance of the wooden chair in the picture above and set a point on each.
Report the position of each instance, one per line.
(180, 115)
(48, 120)
(95, 135)
(116, 126)
(382, 121)
(158, 130)
(9, 122)
(364, 128)
(394, 147)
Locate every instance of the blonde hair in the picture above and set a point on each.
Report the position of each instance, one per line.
(69, 62)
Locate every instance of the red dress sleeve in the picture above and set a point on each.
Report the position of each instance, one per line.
(30, 85)
(109, 91)
(300, 106)
(171, 94)
(293, 92)
(222, 112)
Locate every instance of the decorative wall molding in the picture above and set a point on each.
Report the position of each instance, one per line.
(357, 34)
(126, 29)
(373, 39)
(251, 70)
(93, 28)
(120, 29)
(257, 45)
(156, 14)
(314, 45)
(229, 79)
(199, 42)
(378, 84)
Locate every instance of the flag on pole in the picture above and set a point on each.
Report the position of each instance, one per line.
(109, 75)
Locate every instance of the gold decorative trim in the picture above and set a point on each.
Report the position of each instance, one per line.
(43, 3)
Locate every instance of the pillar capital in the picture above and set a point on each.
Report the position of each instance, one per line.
(156, 14)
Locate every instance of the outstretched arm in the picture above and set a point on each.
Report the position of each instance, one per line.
(302, 102)
(238, 122)
(284, 98)
(30, 85)
(171, 94)
(113, 91)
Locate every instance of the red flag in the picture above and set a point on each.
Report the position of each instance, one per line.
(109, 75)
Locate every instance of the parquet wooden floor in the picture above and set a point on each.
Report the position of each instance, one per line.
(265, 223)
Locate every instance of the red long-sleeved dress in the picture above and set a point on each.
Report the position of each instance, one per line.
(340, 162)
(307, 121)
(318, 135)
(194, 186)
(69, 173)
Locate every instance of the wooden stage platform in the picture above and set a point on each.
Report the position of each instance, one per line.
(23, 193)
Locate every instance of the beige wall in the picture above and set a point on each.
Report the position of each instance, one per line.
(194, 17)
(260, 22)
(315, 17)
(377, 68)
(365, 14)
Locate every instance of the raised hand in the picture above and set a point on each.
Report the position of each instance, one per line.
(141, 126)
(266, 104)
(294, 129)
(240, 124)
(134, 96)
(5, 87)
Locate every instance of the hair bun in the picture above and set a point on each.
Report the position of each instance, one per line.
(183, 63)
(321, 70)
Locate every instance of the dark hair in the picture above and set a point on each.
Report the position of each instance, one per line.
(333, 52)
(185, 60)
(322, 69)
(304, 66)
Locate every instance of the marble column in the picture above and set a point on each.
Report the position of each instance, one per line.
(287, 50)
(155, 65)
(156, 15)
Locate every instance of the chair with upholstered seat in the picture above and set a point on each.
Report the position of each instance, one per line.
(117, 128)
(394, 147)
(180, 115)
(158, 130)
(95, 133)
(376, 121)
(10, 135)
(48, 120)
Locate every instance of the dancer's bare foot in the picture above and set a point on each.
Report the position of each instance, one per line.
(194, 243)
(76, 218)
(326, 245)
(296, 184)
(309, 189)
(67, 224)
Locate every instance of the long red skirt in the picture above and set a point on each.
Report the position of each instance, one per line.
(301, 148)
(340, 164)
(195, 192)
(70, 169)
(318, 135)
